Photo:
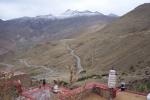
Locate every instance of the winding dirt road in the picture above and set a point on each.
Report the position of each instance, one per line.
(8, 67)
(46, 74)
(78, 60)
(23, 61)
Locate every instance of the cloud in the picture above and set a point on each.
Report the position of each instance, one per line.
(109, 6)
(18, 8)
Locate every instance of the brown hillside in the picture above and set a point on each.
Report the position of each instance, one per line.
(134, 21)
(123, 45)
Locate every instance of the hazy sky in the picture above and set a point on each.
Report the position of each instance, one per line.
(18, 8)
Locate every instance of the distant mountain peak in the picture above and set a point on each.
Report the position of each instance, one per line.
(113, 15)
(70, 12)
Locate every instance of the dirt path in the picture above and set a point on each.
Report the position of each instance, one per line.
(78, 60)
(23, 61)
(8, 67)
(46, 74)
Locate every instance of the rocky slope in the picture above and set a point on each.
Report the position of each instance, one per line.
(122, 45)
(26, 31)
(100, 49)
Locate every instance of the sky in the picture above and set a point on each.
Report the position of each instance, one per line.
(10, 9)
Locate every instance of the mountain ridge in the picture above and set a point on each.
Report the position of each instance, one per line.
(26, 31)
(67, 14)
(134, 21)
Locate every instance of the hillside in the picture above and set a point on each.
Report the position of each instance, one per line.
(134, 21)
(27, 31)
(53, 55)
(122, 45)
(112, 46)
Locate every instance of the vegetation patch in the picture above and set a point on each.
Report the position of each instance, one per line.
(88, 77)
(140, 85)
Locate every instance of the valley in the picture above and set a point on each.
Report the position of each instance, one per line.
(47, 47)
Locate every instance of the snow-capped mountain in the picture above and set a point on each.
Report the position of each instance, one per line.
(26, 31)
(75, 13)
(40, 17)
(70, 13)
(67, 14)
